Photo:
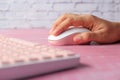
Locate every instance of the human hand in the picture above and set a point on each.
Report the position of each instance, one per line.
(101, 30)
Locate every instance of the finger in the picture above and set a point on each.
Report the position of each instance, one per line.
(86, 21)
(62, 27)
(85, 37)
(57, 22)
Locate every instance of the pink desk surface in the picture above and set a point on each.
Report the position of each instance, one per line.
(98, 62)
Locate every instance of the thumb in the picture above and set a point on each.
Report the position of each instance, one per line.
(84, 37)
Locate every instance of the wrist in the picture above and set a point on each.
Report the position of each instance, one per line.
(117, 25)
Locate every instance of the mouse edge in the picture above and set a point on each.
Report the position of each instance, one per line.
(67, 33)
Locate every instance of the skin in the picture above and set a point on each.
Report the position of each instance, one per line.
(101, 31)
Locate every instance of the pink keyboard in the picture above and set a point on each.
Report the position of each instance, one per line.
(20, 58)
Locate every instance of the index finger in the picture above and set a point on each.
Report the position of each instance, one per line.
(62, 27)
(56, 23)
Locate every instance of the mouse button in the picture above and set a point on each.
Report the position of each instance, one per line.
(64, 41)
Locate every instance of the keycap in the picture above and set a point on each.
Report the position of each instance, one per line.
(20, 58)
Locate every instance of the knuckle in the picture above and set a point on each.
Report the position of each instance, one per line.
(65, 15)
(70, 19)
(92, 16)
(88, 15)
(87, 36)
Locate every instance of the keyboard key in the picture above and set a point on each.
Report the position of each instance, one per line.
(17, 55)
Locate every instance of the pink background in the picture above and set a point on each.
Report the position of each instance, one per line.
(98, 62)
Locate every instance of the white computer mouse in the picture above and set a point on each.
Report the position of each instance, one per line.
(66, 38)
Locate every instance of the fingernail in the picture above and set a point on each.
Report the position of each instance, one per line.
(77, 39)
(51, 30)
(54, 32)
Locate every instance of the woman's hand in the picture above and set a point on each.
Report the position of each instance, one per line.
(101, 30)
